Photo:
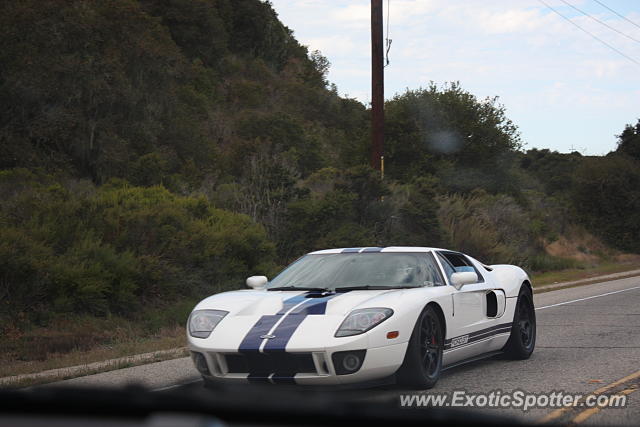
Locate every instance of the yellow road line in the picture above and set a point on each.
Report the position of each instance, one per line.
(617, 383)
(585, 414)
(553, 415)
(561, 411)
(582, 416)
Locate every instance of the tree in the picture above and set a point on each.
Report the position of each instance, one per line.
(552, 169)
(629, 141)
(606, 196)
(427, 127)
(195, 25)
(79, 83)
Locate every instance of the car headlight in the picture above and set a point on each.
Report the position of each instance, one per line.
(202, 322)
(360, 321)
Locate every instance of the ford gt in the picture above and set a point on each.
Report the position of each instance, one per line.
(350, 315)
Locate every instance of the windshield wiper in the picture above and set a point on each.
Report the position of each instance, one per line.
(298, 288)
(370, 287)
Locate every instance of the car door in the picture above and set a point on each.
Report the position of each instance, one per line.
(475, 315)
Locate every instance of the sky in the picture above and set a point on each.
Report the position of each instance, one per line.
(564, 90)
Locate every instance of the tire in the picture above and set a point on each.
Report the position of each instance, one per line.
(422, 363)
(522, 340)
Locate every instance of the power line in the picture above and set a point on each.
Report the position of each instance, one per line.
(592, 35)
(616, 13)
(600, 22)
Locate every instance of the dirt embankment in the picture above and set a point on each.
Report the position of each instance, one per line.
(585, 248)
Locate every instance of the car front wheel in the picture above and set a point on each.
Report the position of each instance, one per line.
(423, 361)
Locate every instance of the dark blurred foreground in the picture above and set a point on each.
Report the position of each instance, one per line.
(233, 405)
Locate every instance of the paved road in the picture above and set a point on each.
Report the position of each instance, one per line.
(588, 340)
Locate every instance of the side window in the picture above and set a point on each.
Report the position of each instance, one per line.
(432, 276)
(446, 265)
(454, 262)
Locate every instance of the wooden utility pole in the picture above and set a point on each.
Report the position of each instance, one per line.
(377, 86)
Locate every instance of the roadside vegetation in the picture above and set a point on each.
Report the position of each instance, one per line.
(624, 267)
(155, 152)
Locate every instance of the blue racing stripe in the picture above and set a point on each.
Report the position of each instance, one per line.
(312, 304)
(285, 330)
(252, 341)
(288, 304)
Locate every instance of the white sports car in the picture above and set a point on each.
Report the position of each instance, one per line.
(349, 315)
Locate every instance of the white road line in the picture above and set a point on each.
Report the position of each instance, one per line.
(584, 299)
(169, 387)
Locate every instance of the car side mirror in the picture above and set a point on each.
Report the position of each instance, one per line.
(257, 282)
(458, 280)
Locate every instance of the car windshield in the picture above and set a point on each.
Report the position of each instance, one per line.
(366, 270)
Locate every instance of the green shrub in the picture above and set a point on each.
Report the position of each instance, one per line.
(606, 197)
(112, 250)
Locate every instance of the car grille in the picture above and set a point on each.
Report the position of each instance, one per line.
(268, 363)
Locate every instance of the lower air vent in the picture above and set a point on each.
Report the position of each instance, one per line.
(270, 363)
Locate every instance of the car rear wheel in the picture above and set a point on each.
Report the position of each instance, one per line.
(423, 360)
(522, 340)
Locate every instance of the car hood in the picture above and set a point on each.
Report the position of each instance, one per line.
(252, 303)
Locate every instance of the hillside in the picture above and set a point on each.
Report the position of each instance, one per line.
(155, 151)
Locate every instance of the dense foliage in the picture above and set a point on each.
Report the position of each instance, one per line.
(67, 246)
(155, 150)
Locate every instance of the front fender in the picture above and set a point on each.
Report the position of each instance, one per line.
(407, 306)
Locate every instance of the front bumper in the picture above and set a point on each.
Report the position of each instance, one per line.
(306, 367)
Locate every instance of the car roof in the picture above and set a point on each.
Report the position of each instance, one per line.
(370, 249)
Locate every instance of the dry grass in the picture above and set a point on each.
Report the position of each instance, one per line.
(588, 254)
(60, 374)
(74, 340)
(581, 246)
(80, 342)
(629, 263)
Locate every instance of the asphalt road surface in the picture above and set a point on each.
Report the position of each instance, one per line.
(588, 342)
